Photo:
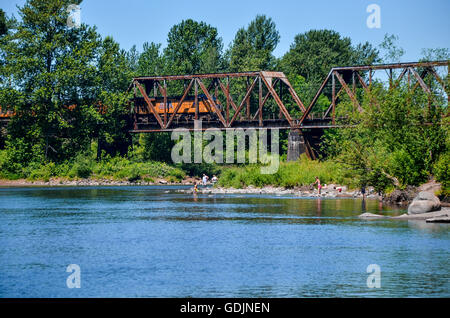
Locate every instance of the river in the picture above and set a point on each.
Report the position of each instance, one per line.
(153, 241)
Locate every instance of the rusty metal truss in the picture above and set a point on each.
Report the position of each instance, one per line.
(228, 113)
(222, 114)
(355, 76)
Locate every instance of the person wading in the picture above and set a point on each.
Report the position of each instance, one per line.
(319, 186)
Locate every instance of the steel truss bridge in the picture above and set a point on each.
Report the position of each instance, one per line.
(224, 111)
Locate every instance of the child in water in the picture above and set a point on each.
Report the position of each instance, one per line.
(319, 186)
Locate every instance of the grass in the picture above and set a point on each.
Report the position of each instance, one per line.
(289, 175)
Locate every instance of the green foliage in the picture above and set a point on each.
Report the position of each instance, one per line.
(3, 26)
(177, 174)
(157, 147)
(392, 52)
(253, 46)
(198, 169)
(441, 171)
(289, 174)
(189, 45)
(389, 144)
(315, 52)
(151, 62)
(43, 61)
(81, 168)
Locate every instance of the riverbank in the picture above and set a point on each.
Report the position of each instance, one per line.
(91, 182)
(328, 191)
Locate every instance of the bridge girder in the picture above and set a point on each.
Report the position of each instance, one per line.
(268, 85)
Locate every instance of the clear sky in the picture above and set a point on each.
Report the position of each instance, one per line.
(418, 23)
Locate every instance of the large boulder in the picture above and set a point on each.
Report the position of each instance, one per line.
(424, 202)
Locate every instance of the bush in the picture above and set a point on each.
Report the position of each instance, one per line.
(134, 174)
(81, 168)
(178, 174)
(289, 174)
(442, 173)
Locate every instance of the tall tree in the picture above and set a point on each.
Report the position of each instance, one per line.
(151, 61)
(52, 66)
(392, 53)
(60, 79)
(252, 47)
(366, 54)
(315, 52)
(132, 57)
(3, 25)
(115, 73)
(193, 47)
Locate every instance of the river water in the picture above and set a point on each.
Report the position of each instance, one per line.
(153, 241)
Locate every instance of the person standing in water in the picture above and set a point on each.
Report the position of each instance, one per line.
(319, 186)
(205, 179)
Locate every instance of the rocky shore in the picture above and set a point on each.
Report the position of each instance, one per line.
(406, 196)
(330, 191)
(90, 182)
(425, 206)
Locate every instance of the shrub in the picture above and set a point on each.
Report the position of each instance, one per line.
(441, 171)
(289, 174)
(178, 174)
(81, 168)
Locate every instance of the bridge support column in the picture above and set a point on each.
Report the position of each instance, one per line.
(296, 145)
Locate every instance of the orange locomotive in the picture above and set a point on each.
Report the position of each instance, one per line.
(5, 114)
(186, 108)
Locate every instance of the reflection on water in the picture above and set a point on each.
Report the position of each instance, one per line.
(158, 242)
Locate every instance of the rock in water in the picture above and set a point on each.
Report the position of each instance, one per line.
(370, 216)
(424, 202)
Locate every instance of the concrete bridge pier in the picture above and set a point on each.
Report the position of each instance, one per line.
(296, 145)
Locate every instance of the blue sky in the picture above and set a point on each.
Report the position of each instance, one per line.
(419, 24)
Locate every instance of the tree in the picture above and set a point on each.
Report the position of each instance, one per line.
(392, 52)
(132, 57)
(115, 73)
(113, 67)
(437, 54)
(53, 68)
(3, 25)
(189, 45)
(366, 54)
(315, 52)
(253, 46)
(389, 145)
(151, 62)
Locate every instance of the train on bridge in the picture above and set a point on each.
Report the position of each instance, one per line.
(185, 110)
